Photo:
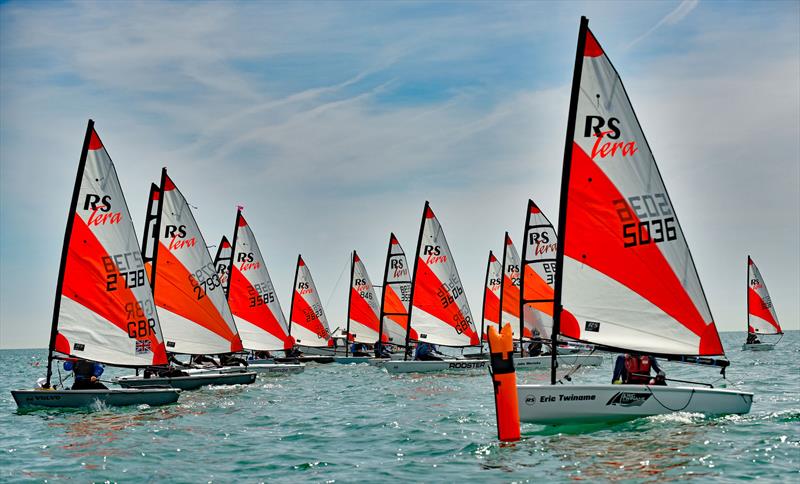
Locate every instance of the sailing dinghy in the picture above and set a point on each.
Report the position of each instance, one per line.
(624, 278)
(395, 298)
(104, 309)
(761, 316)
(439, 312)
(308, 324)
(195, 317)
(253, 299)
(491, 297)
(363, 309)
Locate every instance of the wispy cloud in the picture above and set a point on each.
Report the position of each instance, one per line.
(679, 13)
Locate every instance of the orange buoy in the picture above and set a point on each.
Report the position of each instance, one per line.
(504, 378)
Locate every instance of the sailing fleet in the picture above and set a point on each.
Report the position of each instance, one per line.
(615, 276)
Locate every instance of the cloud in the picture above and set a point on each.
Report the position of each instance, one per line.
(679, 13)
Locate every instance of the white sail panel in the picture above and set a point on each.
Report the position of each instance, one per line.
(761, 316)
(195, 316)
(539, 270)
(440, 312)
(364, 305)
(510, 292)
(106, 311)
(396, 295)
(621, 232)
(252, 297)
(491, 296)
(309, 325)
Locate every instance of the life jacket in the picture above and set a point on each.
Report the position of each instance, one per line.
(637, 369)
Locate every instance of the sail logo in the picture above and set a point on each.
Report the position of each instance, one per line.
(303, 288)
(96, 204)
(756, 284)
(434, 254)
(247, 261)
(176, 235)
(593, 127)
(495, 282)
(398, 268)
(542, 243)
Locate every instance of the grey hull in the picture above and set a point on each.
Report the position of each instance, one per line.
(87, 398)
(191, 382)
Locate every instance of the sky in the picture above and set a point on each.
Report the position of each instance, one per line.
(333, 122)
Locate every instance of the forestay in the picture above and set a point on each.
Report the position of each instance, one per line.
(491, 295)
(363, 305)
(194, 312)
(761, 316)
(104, 308)
(309, 326)
(439, 309)
(627, 279)
(251, 295)
(396, 295)
(539, 270)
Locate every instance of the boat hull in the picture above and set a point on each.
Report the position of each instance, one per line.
(191, 382)
(271, 368)
(323, 360)
(414, 366)
(576, 404)
(758, 347)
(543, 362)
(87, 398)
(354, 360)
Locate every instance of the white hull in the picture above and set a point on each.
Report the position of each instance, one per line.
(321, 351)
(354, 360)
(271, 368)
(576, 404)
(758, 347)
(543, 362)
(191, 382)
(87, 398)
(413, 366)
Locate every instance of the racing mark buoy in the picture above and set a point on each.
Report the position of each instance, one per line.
(504, 378)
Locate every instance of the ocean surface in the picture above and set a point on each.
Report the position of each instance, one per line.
(337, 423)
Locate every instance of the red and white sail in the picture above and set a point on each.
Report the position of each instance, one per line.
(539, 271)
(105, 310)
(195, 317)
(491, 295)
(510, 288)
(628, 277)
(761, 317)
(309, 325)
(252, 297)
(363, 306)
(440, 312)
(396, 295)
(223, 261)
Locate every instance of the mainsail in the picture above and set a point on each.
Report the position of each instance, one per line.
(624, 278)
(439, 309)
(251, 295)
(308, 325)
(104, 308)
(195, 317)
(509, 289)
(396, 295)
(491, 295)
(538, 271)
(761, 317)
(223, 261)
(362, 305)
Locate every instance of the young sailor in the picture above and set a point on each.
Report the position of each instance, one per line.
(635, 370)
(359, 349)
(426, 352)
(201, 360)
(382, 350)
(752, 339)
(86, 374)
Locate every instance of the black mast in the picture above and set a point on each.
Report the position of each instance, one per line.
(233, 250)
(414, 278)
(294, 291)
(73, 206)
(156, 234)
(349, 299)
(383, 288)
(485, 287)
(562, 209)
(218, 258)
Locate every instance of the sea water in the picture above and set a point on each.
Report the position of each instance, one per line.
(337, 423)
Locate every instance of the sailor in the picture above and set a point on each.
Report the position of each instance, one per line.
(426, 352)
(231, 360)
(752, 339)
(87, 374)
(359, 349)
(201, 360)
(293, 352)
(381, 350)
(635, 370)
(535, 347)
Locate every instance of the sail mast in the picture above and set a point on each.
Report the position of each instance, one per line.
(233, 252)
(381, 314)
(562, 209)
(349, 301)
(294, 290)
(414, 278)
(747, 294)
(65, 249)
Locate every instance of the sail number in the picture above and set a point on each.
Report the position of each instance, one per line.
(646, 219)
(204, 279)
(140, 323)
(128, 267)
(261, 294)
(462, 323)
(449, 292)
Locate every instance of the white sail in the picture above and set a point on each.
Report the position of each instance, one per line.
(491, 295)
(309, 325)
(510, 288)
(440, 312)
(628, 279)
(105, 310)
(761, 316)
(539, 270)
(363, 306)
(396, 295)
(195, 317)
(251, 295)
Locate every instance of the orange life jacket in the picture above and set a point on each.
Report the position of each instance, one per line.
(637, 369)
